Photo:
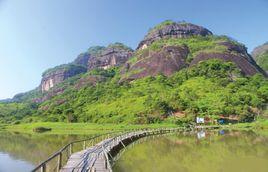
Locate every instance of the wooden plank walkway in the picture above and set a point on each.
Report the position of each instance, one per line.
(97, 158)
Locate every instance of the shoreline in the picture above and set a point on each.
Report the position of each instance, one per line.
(93, 128)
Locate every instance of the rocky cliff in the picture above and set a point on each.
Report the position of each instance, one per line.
(236, 53)
(113, 55)
(150, 63)
(82, 59)
(172, 46)
(95, 57)
(56, 75)
(170, 29)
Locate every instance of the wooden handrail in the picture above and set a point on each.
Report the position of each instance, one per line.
(42, 165)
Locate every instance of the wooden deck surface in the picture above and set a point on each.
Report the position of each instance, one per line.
(96, 158)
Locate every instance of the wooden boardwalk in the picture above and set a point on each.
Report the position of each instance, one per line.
(103, 150)
(98, 157)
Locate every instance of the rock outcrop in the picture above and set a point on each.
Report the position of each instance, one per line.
(58, 74)
(247, 67)
(172, 30)
(235, 53)
(82, 59)
(150, 63)
(95, 57)
(181, 48)
(114, 55)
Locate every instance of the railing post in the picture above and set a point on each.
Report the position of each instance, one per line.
(105, 163)
(59, 161)
(84, 145)
(43, 168)
(71, 149)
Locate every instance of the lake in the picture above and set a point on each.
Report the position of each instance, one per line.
(238, 151)
(22, 152)
(214, 151)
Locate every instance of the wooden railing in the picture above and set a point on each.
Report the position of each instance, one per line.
(55, 162)
(60, 158)
(103, 151)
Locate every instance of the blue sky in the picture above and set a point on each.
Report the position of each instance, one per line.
(38, 34)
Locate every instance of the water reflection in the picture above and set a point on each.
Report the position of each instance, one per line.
(24, 151)
(202, 151)
(201, 134)
(7, 164)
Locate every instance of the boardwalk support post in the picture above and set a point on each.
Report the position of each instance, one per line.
(43, 168)
(71, 149)
(84, 145)
(59, 162)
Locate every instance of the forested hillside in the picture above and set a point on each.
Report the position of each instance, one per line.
(179, 71)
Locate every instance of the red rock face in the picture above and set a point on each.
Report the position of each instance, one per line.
(52, 79)
(90, 80)
(110, 57)
(166, 61)
(247, 67)
(175, 30)
(60, 74)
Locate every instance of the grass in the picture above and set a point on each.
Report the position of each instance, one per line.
(162, 25)
(91, 128)
(79, 128)
(257, 125)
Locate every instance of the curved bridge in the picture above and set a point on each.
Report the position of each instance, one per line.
(97, 153)
(98, 158)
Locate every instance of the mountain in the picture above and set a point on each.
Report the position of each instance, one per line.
(113, 55)
(170, 47)
(170, 29)
(96, 57)
(260, 54)
(178, 68)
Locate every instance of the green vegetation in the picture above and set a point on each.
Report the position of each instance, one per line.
(262, 60)
(95, 50)
(79, 128)
(211, 88)
(71, 68)
(196, 44)
(166, 23)
(14, 112)
(28, 96)
(258, 125)
(119, 45)
(161, 25)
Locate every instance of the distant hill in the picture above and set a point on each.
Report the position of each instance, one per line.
(178, 68)
(260, 54)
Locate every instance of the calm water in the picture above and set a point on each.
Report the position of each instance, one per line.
(22, 152)
(198, 152)
(202, 152)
